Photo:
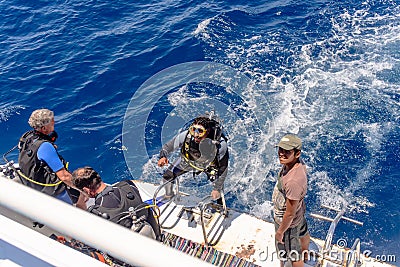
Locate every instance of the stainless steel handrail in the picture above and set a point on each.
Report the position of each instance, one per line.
(328, 240)
(326, 250)
(354, 252)
(202, 207)
(177, 194)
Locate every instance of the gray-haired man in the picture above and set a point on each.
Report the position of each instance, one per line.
(42, 168)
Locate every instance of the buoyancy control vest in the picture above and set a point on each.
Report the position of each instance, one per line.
(43, 177)
(192, 152)
(127, 196)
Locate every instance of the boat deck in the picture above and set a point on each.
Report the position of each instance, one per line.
(239, 235)
(195, 226)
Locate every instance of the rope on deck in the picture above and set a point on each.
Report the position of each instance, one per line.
(205, 253)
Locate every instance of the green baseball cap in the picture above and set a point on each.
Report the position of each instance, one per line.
(289, 142)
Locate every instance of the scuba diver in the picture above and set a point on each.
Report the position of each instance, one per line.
(120, 203)
(203, 149)
(40, 165)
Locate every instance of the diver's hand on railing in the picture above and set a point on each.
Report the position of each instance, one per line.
(162, 161)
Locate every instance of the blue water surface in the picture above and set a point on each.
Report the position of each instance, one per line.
(326, 70)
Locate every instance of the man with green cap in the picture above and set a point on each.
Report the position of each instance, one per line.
(291, 230)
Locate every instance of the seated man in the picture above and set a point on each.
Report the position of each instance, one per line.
(120, 203)
(42, 168)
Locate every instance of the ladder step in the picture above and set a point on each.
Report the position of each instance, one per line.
(322, 217)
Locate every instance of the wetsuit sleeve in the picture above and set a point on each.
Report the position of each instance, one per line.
(48, 154)
(222, 149)
(173, 145)
(223, 159)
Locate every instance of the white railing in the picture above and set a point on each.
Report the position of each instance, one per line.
(106, 236)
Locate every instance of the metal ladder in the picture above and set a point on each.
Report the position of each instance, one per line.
(202, 206)
(351, 258)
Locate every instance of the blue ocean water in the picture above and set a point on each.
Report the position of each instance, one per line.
(326, 70)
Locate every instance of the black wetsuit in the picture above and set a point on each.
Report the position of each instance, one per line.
(181, 166)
